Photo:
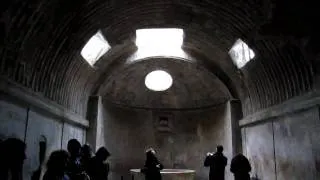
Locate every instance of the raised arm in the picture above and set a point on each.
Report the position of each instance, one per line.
(207, 161)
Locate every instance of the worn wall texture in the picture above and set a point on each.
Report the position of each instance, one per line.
(41, 41)
(29, 125)
(191, 135)
(286, 147)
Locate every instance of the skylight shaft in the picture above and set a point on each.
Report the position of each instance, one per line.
(170, 37)
(159, 42)
(241, 53)
(95, 48)
(158, 80)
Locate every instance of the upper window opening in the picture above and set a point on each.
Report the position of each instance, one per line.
(158, 80)
(159, 41)
(241, 53)
(95, 48)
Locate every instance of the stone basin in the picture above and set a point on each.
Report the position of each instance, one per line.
(168, 174)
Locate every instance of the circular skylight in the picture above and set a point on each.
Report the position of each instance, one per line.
(158, 80)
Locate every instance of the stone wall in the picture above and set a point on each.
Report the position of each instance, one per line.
(184, 144)
(29, 124)
(285, 146)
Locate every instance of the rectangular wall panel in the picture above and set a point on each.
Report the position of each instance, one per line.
(12, 120)
(260, 151)
(40, 125)
(297, 146)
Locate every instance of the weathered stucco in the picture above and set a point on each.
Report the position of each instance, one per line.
(29, 124)
(40, 52)
(297, 146)
(258, 146)
(129, 132)
(126, 85)
(285, 147)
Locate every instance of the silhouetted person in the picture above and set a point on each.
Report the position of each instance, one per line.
(152, 166)
(12, 156)
(240, 167)
(98, 168)
(74, 167)
(86, 155)
(57, 166)
(217, 163)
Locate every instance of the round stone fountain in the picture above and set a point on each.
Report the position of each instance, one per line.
(168, 174)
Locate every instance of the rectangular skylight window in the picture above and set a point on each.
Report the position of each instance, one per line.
(241, 53)
(159, 41)
(96, 47)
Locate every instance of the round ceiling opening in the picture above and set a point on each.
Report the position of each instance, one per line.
(158, 80)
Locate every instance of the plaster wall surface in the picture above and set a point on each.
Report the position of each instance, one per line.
(128, 133)
(13, 120)
(72, 132)
(297, 146)
(29, 124)
(285, 147)
(40, 125)
(258, 146)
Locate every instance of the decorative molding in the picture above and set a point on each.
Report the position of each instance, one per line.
(13, 91)
(297, 104)
(107, 101)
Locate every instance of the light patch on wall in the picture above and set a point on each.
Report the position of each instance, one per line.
(159, 42)
(158, 80)
(95, 48)
(241, 53)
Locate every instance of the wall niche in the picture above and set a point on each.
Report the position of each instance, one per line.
(163, 121)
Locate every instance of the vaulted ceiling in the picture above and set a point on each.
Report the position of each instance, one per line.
(41, 43)
(193, 86)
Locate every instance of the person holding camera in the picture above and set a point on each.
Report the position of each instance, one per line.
(152, 166)
(217, 163)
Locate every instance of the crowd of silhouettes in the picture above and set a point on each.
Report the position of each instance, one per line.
(217, 162)
(240, 166)
(77, 163)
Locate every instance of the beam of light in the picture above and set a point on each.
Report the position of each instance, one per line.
(241, 53)
(158, 80)
(159, 42)
(95, 48)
